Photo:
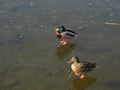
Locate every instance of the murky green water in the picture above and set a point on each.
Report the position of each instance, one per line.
(31, 57)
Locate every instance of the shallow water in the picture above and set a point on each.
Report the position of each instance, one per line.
(31, 57)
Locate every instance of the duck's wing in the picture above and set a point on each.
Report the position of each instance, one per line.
(71, 31)
(68, 35)
(86, 66)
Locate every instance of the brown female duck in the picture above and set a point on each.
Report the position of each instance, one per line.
(80, 68)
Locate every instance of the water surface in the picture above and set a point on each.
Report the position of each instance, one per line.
(31, 57)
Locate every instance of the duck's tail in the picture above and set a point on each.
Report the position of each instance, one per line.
(91, 66)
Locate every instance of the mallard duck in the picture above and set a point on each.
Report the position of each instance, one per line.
(64, 35)
(80, 68)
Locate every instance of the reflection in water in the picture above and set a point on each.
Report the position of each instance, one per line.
(62, 51)
(78, 84)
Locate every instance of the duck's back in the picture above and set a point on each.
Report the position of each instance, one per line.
(86, 66)
(71, 31)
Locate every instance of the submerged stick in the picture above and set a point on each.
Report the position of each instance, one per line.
(70, 76)
(109, 23)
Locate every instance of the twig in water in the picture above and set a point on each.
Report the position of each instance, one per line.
(109, 23)
(70, 76)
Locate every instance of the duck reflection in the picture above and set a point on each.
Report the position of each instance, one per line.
(78, 84)
(62, 51)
